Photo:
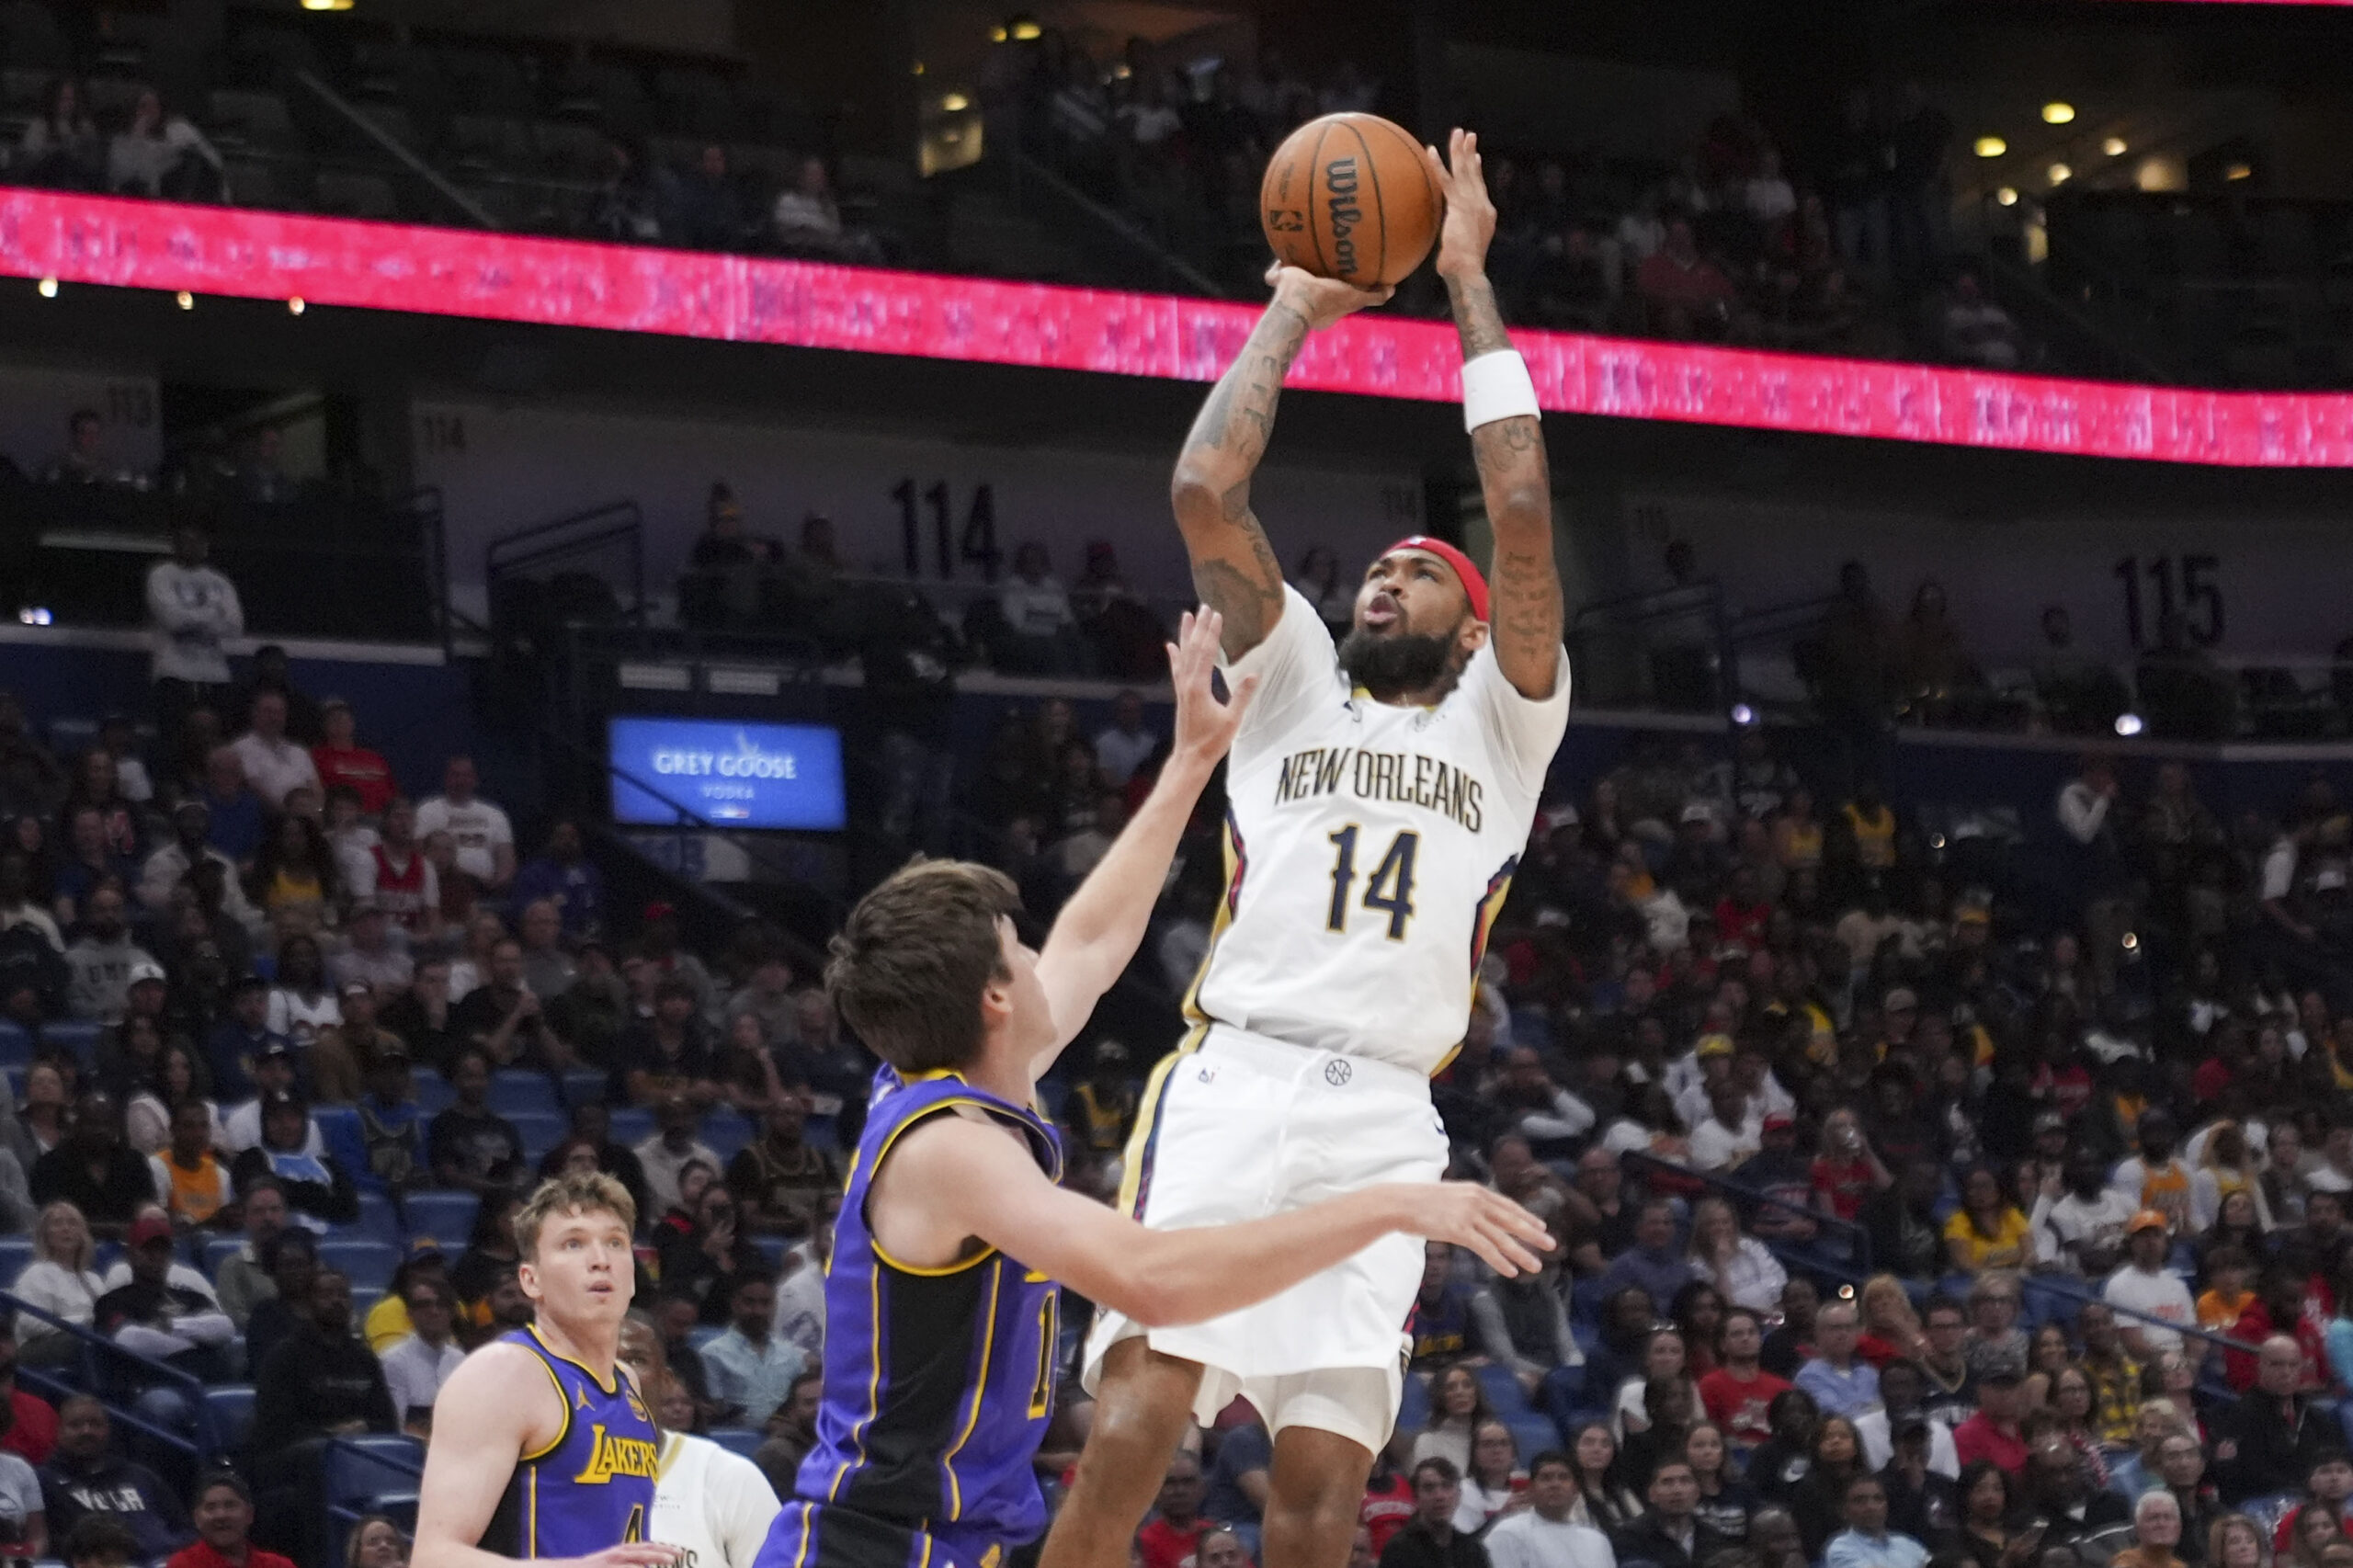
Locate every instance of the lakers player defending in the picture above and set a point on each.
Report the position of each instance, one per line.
(1382, 792)
(542, 1445)
(940, 1308)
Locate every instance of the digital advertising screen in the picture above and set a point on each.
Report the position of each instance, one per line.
(727, 772)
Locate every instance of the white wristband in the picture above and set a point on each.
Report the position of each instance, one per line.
(1496, 386)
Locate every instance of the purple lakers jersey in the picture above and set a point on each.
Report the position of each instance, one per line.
(938, 1381)
(591, 1488)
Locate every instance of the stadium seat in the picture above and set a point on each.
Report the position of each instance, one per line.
(371, 1466)
(219, 1250)
(80, 1039)
(379, 1221)
(523, 1094)
(819, 1132)
(540, 1130)
(1414, 1410)
(1503, 1390)
(447, 1217)
(584, 1086)
(15, 1253)
(631, 1126)
(743, 1440)
(1533, 1433)
(369, 1264)
(727, 1132)
(773, 1248)
(230, 1408)
(433, 1091)
(15, 1046)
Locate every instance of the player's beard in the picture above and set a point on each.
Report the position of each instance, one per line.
(1395, 664)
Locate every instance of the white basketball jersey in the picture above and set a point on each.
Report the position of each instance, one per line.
(713, 1505)
(1369, 847)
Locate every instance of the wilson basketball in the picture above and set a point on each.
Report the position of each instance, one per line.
(1347, 195)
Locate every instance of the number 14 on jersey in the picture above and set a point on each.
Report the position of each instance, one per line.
(1388, 891)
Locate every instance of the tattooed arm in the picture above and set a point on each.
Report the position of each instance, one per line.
(1235, 569)
(1524, 617)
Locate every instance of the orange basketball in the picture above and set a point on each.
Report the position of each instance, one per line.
(1348, 197)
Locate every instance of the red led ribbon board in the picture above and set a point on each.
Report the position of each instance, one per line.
(389, 267)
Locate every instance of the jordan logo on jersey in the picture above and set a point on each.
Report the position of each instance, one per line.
(610, 1456)
(1401, 778)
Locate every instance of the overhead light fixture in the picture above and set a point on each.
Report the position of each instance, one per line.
(35, 615)
(187, 300)
(955, 103)
(294, 307)
(1122, 71)
(2060, 174)
(2058, 114)
(996, 35)
(1742, 714)
(48, 288)
(1991, 146)
(327, 4)
(2114, 147)
(2128, 724)
(918, 68)
(1024, 30)
(2239, 171)
(2007, 196)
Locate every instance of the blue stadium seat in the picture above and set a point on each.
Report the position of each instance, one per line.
(631, 1126)
(773, 1248)
(15, 1253)
(726, 1130)
(821, 1133)
(1503, 1390)
(219, 1250)
(433, 1091)
(80, 1039)
(540, 1130)
(1534, 1434)
(447, 1217)
(743, 1440)
(379, 1221)
(1414, 1410)
(371, 1466)
(15, 1046)
(584, 1086)
(231, 1409)
(523, 1094)
(363, 1302)
(369, 1264)
(703, 1334)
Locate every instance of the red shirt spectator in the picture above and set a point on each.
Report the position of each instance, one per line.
(1738, 1404)
(1388, 1507)
(366, 772)
(1848, 1182)
(1979, 1438)
(32, 1427)
(1173, 1534)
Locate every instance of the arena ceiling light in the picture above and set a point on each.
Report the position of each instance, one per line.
(2060, 174)
(2057, 113)
(2007, 196)
(2129, 725)
(955, 103)
(228, 254)
(1991, 146)
(2114, 147)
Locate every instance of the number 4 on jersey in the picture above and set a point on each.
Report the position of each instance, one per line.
(1389, 891)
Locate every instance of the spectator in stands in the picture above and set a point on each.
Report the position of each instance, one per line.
(2267, 1442)
(1431, 1540)
(272, 1070)
(193, 612)
(669, 1056)
(702, 1248)
(780, 1180)
(502, 1017)
(60, 1281)
(161, 153)
(1127, 744)
(415, 1368)
(169, 865)
(224, 1520)
(1669, 1534)
(243, 1280)
(27, 1423)
(320, 1382)
(2144, 1286)
(469, 1146)
(1040, 634)
(62, 147)
(317, 1187)
(1840, 1382)
(294, 880)
(1987, 1231)
(1172, 1536)
(1995, 1334)
(1739, 1267)
(750, 1367)
(303, 1002)
(566, 877)
(1993, 1433)
(1867, 1543)
(374, 953)
(706, 210)
(102, 963)
(82, 460)
(1653, 1262)
(166, 1312)
(236, 814)
(339, 760)
(1738, 1393)
(104, 1181)
(82, 1480)
(191, 1176)
(793, 1432)
(2060, 1488)
(592, 1127)
(1459, 1408)
(808, 221)
(403, 879)
(1686, 295)
(1977, 331)
(484, 838)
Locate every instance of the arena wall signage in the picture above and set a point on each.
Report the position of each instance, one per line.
(330, 261)
(732, 774)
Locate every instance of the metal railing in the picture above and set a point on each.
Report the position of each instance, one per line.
(425, 175)
(1858, 1259)
(208, 1441)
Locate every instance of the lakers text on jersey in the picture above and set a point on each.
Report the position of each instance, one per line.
(593, 1486)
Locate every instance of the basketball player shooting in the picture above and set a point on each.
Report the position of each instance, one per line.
(1382, 792)
(940, 1311)
(542, 1445)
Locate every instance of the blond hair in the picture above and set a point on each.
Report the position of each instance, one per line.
(574, 1192)
(80, 1262)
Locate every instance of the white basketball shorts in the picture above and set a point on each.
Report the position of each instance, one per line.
(1237, 1126)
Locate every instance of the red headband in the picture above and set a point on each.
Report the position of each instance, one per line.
(1474, 581)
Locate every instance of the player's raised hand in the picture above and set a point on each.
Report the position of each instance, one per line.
(1470, 224)
(631, 1554)
(1468, 1215)
(1205, 727)
(1322, 301)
